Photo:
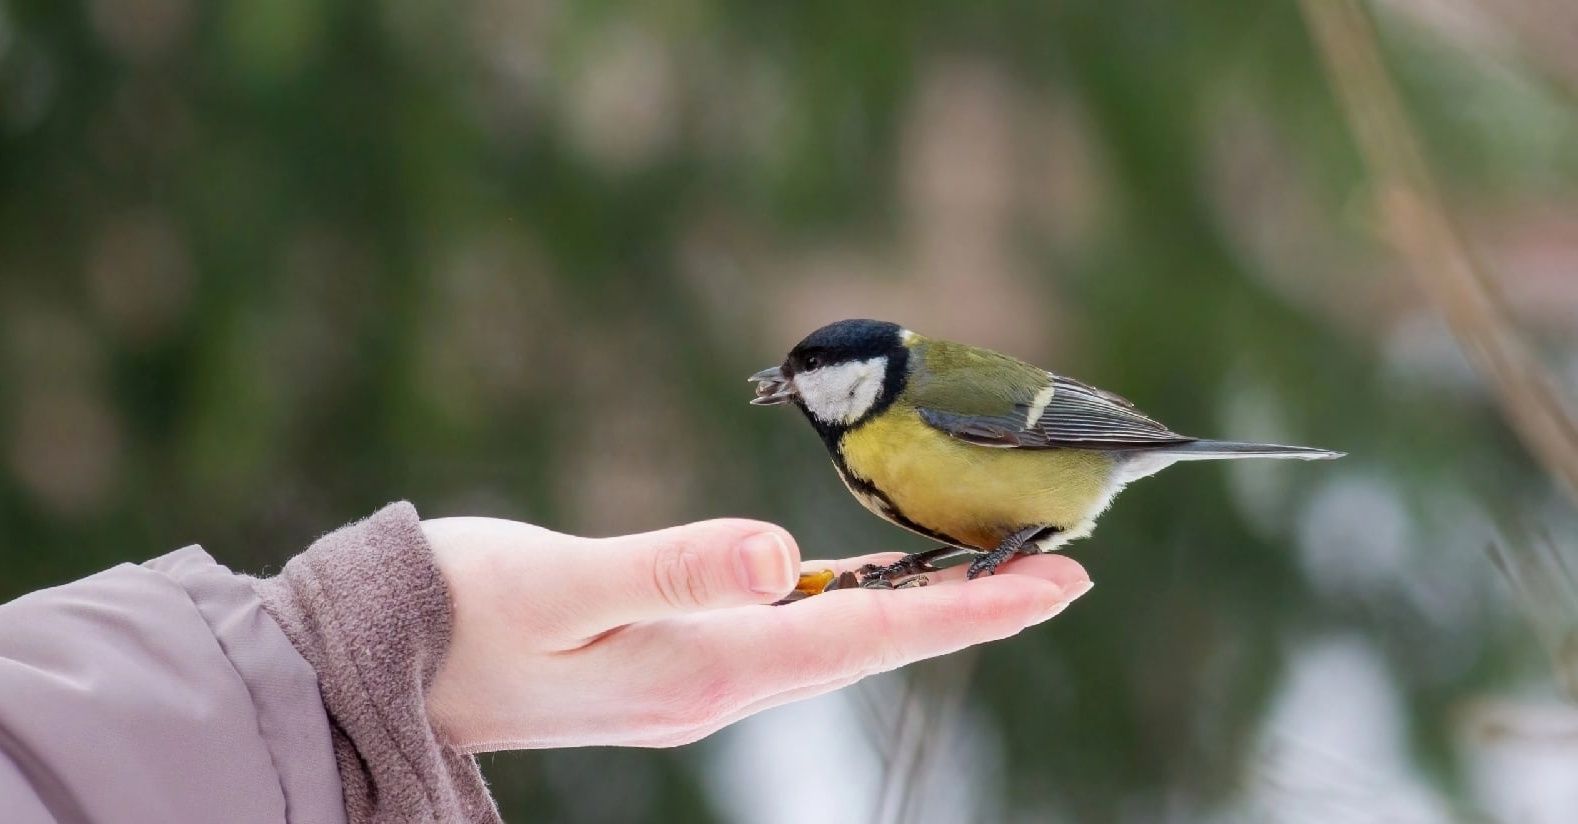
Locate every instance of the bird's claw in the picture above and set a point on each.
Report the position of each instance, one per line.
(987, 564)
(984, 565)
(894, 576)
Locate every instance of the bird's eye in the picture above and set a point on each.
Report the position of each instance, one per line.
(812, 362)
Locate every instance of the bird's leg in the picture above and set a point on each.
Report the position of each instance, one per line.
(895, 574)
(987, 564)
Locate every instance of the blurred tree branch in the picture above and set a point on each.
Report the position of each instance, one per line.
(927, 722)
(1416, 223)
(1545, 30)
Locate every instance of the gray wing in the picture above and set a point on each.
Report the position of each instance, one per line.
(1075, 414)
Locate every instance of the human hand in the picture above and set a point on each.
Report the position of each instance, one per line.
(662, 638)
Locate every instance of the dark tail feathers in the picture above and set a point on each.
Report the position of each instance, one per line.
(1207, 450)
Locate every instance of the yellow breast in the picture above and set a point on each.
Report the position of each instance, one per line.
(975, 494)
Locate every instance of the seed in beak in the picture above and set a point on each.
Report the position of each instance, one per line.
(772, 388)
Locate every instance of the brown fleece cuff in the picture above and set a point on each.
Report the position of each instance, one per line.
(368, 608)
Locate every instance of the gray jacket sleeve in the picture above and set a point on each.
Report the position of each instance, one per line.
(159, 693)
(178, 691)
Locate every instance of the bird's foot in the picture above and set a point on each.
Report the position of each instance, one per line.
(1012, 545)
(911, 569)
(893, 576)
(987, 564)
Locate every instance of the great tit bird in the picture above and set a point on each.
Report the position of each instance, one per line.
(985, 453)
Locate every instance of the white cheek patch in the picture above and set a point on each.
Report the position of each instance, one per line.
(842, 393)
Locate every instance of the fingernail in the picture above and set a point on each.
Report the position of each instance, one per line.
(1071, 592)
(765, 566)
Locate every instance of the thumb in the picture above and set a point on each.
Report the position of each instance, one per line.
(706, 565)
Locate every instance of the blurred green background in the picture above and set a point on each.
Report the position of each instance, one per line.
(268, 264)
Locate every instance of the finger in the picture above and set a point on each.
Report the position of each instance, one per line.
(712, 667)
(677, 739)
(700, 566)
(750, 654)
(789, 697)
(848, 633)
(1054, 568)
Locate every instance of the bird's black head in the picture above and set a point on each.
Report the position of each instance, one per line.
(844, 342)
(840, 375)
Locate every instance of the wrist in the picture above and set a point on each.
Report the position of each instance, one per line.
(479, 570)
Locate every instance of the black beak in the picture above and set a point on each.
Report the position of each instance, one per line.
(772, 388)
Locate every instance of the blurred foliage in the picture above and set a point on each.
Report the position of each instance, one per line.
(267, 264)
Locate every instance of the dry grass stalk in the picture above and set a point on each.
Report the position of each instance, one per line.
(1417, 224)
